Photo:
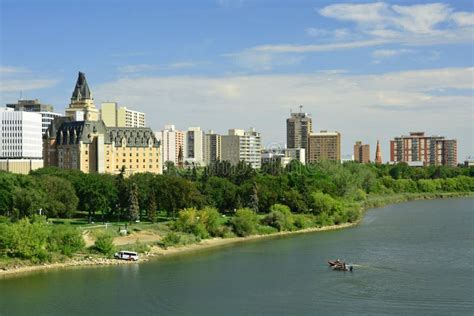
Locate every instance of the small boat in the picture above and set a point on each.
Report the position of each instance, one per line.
(338, 265)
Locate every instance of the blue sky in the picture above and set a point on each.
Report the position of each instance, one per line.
(371, 70)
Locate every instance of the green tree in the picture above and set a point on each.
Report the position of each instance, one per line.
(133, 206)
(61, 199)
(152, 216)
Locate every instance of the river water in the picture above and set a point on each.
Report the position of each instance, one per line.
(410, 258)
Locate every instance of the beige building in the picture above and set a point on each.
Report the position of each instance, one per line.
(361, 152)
(324, 146)
(91, 146)
(115, 116)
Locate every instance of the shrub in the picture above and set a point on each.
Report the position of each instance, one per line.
(26, 240)
(210, 217)
(266, 230)
(189, 221)
(280, 218)
(301, 221)
(66, 240)
(244, 223)
(104, 244)
(171, 239)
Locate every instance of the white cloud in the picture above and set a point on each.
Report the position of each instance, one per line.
(386, 53)
(128, 69)
(360, 106)
(262, 60)
(291, 48)
(463, 18)
(414, 24)
(16, 79)
(9, 70)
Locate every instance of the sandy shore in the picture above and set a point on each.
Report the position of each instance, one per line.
(157, 252)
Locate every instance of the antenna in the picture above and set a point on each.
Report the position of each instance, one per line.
(21, 95)
(301, 109)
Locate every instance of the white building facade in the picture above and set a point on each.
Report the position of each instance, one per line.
(194, 147)
(240, 145)
(172, 143)
(20, 141)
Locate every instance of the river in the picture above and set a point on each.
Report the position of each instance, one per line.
(410, 258)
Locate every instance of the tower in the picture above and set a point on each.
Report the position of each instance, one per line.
(82, 106)
(378, 154)
(298, 128)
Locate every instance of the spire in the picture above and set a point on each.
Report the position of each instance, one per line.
(378, 154)
(81, 91)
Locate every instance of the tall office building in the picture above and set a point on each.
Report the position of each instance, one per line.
(46, 110)
(420, 150)
(212, 147)
(172, 143)
(298, 127)
(324, 146)
(83, 142)
(20, 141)
(115, 116)
(361, 152)
(194, 147)
(240, 145)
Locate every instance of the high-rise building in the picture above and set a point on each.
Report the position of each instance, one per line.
(172, 143)
(83, 142)
(240, 145)
(115, 116)
(212, 147)
(298, 127)
(361, 152)
(324, 146)
(20, 141)
(194, 147)
(378, 154)
(46, 110)
(418, 149)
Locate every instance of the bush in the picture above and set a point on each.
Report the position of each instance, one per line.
(171, 239)
(26, 240)
(301, 221)
(210, 217)
(190, 222)
(66, 240)
(280, 218)
(244, 223)
(266, 230)
(104, 244)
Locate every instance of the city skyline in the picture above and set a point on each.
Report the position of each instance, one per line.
(396, 68)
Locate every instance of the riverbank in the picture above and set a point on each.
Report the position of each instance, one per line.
(157, 251)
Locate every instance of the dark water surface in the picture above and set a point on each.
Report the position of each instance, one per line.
(411, 258)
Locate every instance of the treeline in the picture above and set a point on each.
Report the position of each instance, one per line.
(55, 192)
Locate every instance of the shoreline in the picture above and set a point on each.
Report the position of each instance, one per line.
(157, 252)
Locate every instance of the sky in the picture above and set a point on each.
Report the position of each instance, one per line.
(370, 70)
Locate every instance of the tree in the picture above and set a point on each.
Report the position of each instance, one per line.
(254, 199)
(61, 199)
(152, 216)
(133, 206)
(104, 244)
